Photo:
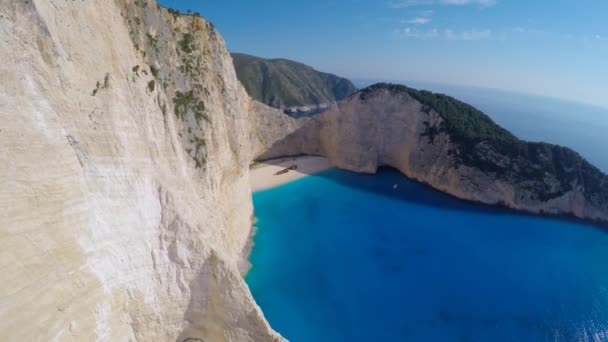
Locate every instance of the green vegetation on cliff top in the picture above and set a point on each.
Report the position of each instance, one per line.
(465, 123)
(284, 83)
(492, 149)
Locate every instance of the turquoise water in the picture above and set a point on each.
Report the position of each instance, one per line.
(346, 257)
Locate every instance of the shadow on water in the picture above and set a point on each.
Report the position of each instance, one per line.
(395, 185)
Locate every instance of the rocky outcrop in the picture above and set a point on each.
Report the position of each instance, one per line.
(465, 155)
(124, 154)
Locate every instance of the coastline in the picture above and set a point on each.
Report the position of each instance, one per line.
(263, 175)
(422, 209)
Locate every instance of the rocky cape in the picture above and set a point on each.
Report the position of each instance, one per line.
(125, 148)
(453, 147)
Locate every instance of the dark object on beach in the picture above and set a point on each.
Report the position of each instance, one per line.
(284, 171)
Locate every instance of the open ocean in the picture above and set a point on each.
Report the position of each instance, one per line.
(340, 256)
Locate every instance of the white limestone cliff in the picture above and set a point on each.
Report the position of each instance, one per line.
(123, 218)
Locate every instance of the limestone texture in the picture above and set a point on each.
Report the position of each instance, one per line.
(124, 161)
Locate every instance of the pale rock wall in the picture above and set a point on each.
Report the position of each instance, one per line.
(119, 220)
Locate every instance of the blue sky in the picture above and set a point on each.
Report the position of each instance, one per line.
(557, 48)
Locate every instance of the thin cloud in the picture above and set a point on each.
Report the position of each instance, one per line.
(467, 35)
(469, 2)
(420, 18)
(413, 3)
(417, 21)
(424, 13)
(409, 32)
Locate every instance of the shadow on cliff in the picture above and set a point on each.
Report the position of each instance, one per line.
(304, 140)
(288, 161)
(213, 307)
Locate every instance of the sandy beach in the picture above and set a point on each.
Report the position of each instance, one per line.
(263, 175)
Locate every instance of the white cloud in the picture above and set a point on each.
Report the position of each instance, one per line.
(469, 2)
(425, 13)
(412, 3)
(420, 18)
(417, 21)
(468, 35)
(409, 32)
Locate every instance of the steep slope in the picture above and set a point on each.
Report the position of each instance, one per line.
(454, 148)
(282, 83)
(124, 153)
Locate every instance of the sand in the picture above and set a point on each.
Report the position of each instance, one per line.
(263, 176)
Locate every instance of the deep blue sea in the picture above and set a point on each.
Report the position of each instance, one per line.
(340, 256)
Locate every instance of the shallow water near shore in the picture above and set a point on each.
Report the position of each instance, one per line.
(340, 256)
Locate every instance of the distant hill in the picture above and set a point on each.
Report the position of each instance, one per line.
(283, 83)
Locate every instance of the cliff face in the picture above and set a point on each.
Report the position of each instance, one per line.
(124, 153)
(468, 156)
